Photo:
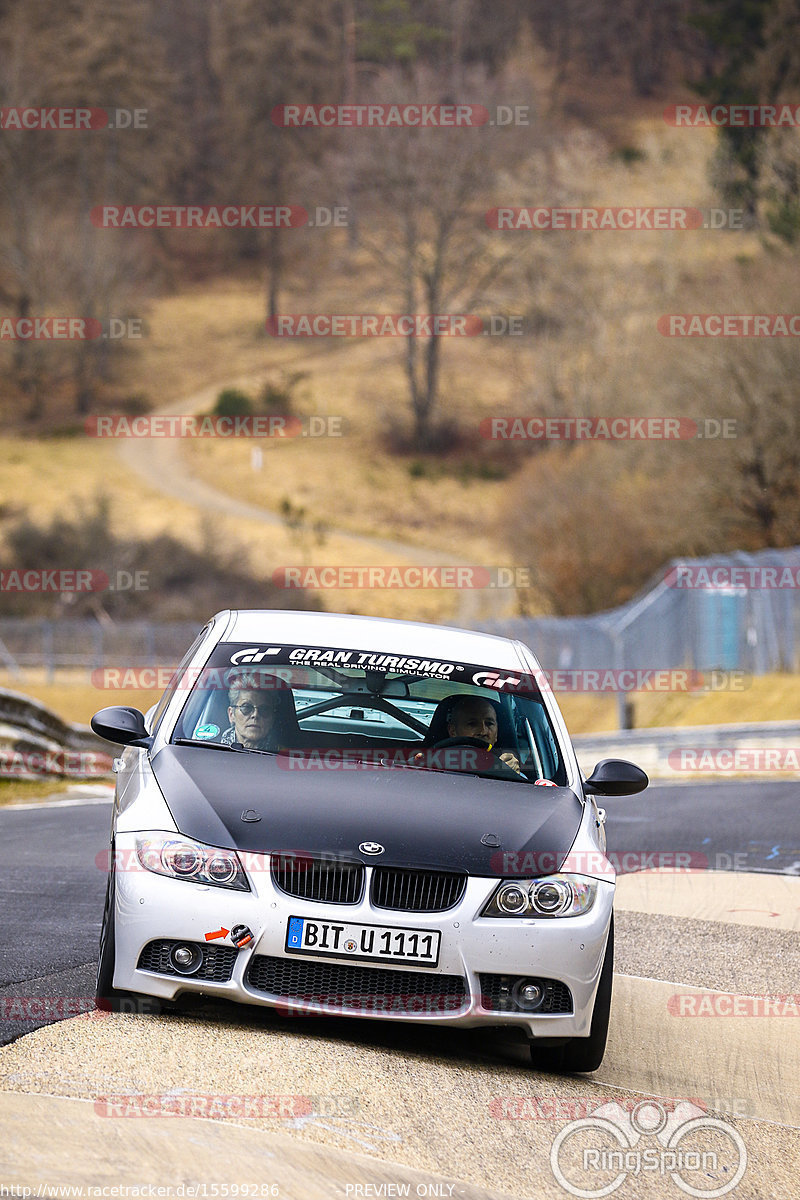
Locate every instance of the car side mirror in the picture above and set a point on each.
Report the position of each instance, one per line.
(616, 777)
(125, 726)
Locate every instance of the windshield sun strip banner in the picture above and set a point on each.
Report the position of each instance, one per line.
(229, 661)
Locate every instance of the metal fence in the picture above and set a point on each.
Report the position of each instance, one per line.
(87, 645)
(728, 612)
(751, 623)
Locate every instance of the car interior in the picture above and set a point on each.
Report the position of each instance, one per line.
(369, 713)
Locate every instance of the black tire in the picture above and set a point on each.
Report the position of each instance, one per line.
(583, 1054)
(107, 997)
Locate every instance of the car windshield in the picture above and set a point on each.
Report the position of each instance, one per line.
(325, 707)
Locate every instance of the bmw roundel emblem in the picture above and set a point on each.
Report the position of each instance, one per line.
(371, 848)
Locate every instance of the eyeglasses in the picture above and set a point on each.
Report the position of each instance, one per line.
(247, 710)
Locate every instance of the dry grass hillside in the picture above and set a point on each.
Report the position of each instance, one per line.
(607, 293)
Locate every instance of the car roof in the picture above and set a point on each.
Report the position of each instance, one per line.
(380, 634)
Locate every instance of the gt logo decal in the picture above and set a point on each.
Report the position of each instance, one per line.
(490, 679)
(252, 654)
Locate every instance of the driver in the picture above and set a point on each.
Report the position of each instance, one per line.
(472, 716)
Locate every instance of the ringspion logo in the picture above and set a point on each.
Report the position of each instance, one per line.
(704, 1156)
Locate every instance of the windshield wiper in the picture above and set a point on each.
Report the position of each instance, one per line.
(204, 742)
(237, 747)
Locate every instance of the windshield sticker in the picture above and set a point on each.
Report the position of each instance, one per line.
(206, 732)
(372, 662)
(328, 660)
(493, 680)
(253, 654)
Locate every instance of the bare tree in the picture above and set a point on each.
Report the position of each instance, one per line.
(422, 198)
(84, 54)
(276, 52)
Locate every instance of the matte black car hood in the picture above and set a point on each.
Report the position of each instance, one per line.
(421, 818)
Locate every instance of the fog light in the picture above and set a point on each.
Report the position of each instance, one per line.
(187, 960)
(527, 994)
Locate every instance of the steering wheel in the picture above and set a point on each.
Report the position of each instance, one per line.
(497, 765)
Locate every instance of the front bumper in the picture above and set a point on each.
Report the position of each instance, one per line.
(465, 988)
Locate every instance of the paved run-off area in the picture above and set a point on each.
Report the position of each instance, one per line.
(354, 1108)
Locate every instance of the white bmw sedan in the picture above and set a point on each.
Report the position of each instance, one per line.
(345, 815)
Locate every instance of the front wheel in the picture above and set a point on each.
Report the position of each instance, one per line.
(583, 1054)
(107, 997)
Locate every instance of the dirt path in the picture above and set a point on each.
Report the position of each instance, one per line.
(159, 463)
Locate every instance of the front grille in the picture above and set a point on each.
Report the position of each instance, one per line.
(496, 995)
(217, 960)
(357, 989)
(416, 891)
(317, 879)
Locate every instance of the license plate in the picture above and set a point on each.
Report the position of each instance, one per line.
(341, 939)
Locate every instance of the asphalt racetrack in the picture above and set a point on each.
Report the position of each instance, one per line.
(702, 1069)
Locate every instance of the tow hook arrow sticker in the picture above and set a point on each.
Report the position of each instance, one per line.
(217, 933)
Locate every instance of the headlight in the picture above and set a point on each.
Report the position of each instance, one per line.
(180, 858)
(551, 896)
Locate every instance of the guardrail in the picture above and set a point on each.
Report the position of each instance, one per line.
(35, 743)
(771, 747)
